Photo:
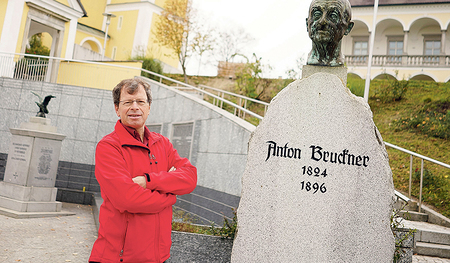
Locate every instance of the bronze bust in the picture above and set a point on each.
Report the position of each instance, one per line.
(328, 21)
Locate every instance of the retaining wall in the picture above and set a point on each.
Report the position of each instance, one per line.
(214, 140)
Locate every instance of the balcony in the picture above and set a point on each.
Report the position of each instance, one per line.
(399, 61)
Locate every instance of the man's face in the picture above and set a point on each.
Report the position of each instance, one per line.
(133, 115)
(326, 22)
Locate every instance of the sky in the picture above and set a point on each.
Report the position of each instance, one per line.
(278, 28)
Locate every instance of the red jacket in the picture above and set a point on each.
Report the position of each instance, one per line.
(136, 223)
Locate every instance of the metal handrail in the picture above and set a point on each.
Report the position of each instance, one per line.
(161, 77)
(221, 93)
(422, 158)
(220, 97)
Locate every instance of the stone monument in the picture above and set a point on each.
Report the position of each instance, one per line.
(28, 187)
(317, 186)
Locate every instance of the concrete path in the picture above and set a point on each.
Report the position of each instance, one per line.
(70, 239)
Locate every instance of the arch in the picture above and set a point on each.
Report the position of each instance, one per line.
(92, 40)
(355, 74)
(361, 23)
(448, 80)
(423, 76)
(388, 22)
(428, 20)
(384, 75)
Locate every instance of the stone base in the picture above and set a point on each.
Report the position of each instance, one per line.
(29, 206)
(341, 72)
(27, 193)
(38, 124)
(18, 215)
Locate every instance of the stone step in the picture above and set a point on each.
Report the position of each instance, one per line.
(429, 233)
(413, 216)
(431, 249)
(29, 206)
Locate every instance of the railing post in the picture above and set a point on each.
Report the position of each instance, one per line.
(421, 183)
(245, 107)
(410, 173)
(221, 102)
(239, 110)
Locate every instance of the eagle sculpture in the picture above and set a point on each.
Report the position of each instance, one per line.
(42, 104)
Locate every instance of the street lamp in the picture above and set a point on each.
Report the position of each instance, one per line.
(108, 21)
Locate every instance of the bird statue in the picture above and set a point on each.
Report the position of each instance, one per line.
(42, 104)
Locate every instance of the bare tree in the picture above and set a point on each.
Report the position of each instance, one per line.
(231, 42)
(204, 41)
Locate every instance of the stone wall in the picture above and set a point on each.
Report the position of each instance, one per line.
(213, 139)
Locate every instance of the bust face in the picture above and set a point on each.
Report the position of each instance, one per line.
(326, 21)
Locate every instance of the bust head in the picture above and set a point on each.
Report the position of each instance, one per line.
(328, 21)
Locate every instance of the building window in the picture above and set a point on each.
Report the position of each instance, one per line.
(395, 48)
(360, 48)
(119, 23)
(431, 48)
(113, 53)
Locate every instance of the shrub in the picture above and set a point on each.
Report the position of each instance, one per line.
(391, 90)
(152, 65)
(432, 119)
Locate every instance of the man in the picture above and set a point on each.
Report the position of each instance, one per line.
(140, 174)
(328, 21)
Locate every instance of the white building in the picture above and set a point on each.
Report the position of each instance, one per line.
(411, 39)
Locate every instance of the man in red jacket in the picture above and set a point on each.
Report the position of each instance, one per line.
(140, 174)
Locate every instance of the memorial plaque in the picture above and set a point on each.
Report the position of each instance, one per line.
(44, 164)
(182, 138)
(19, 159)
(317, 185)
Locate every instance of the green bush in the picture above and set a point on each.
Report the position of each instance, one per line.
(152, 65)
(391, 90)
(432, 119)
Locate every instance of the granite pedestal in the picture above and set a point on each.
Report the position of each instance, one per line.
(28, 188)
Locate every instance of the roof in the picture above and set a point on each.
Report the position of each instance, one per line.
(356, 3)
(82, 8)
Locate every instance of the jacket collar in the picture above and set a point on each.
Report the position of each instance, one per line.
(126, 138)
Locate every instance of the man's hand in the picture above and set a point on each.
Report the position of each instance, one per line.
(140, 180)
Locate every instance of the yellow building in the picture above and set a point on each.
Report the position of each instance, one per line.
(76, 29)
(411, 39)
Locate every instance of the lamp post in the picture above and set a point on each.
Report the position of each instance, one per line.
(108, 21)
(369, 62)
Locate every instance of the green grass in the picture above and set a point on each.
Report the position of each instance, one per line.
(387, 115)
(392, 103)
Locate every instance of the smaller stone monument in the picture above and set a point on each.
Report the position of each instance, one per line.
(28, 188)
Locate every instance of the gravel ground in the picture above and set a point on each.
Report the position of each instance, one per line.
(70, 239)
(48, 239)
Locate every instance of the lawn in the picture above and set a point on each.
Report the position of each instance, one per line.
(424, 104)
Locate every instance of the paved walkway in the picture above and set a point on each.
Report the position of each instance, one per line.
(68, 239)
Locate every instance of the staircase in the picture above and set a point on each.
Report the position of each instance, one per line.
(432, 237)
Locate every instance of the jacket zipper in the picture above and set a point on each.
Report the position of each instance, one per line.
(158, 258)
(123, 245)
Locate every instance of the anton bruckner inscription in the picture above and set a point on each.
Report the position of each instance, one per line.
(317, 186)
(317, 153)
